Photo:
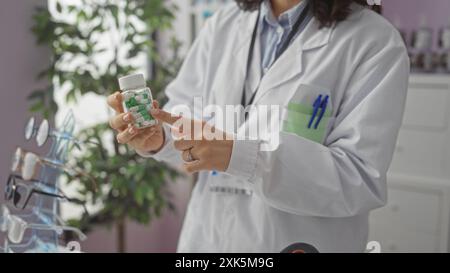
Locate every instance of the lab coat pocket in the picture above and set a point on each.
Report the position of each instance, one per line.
(306, 95)
(309, 114)
(297, 123)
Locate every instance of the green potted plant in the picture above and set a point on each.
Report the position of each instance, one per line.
(129, 187)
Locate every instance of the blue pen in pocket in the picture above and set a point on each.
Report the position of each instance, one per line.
(309, 113)
(323, 107)
(316, 106)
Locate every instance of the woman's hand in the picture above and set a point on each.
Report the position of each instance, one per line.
(144, 140)
(202, 147)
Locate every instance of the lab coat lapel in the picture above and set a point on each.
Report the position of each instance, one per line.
(290, 64)
(241, 51)
(245, 29)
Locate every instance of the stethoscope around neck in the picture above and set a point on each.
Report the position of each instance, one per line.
(295, 29)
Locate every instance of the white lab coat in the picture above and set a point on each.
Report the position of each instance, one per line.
(304, 191)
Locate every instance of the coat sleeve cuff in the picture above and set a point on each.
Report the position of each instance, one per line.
(243, 159)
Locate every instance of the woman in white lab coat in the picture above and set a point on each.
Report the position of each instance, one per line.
(340, 80)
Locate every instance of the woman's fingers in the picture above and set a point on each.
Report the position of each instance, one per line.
(150, 131)
(155, 104)
(121, 121)
(186, 156)
(182, 145)
(194, 166)
(189, 155)
(115, 102)
(177, 123)
(143, 134)
(126, 135)
(164, 116)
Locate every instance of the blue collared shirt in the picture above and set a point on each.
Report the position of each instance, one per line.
(274, 32)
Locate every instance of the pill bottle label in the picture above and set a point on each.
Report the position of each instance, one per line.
(139, 103)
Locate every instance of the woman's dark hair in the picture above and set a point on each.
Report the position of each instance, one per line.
(327, 12)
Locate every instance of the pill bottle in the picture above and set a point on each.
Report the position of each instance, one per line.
(137, 99)
(444, 44)
(422, 55)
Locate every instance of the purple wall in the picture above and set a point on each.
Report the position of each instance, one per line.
(161, 236)
(20, 62)
(408, 13)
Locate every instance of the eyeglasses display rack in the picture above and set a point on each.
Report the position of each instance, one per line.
(36, 226)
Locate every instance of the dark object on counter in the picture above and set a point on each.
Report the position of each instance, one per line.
(444, 62)
(300, 248)
(424, 61)
(444, 45)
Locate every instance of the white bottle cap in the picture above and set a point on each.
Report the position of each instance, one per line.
(132, 82)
